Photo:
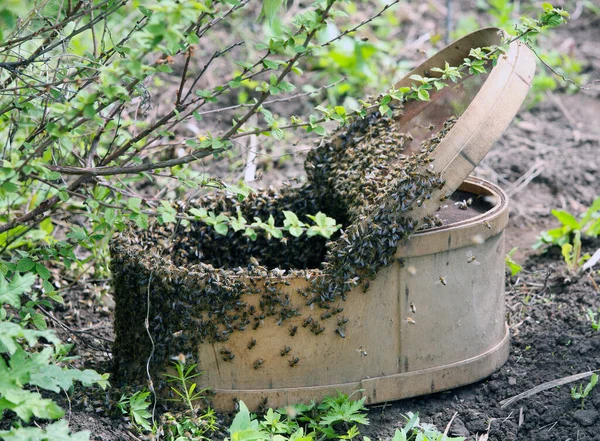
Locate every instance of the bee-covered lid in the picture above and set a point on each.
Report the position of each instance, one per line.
(375, 158)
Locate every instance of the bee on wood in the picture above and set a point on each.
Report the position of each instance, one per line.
(286, 350)
(258, 363)
(293, 362)
(252, 343)
(340, 331)
(307, 321)
(293, 330)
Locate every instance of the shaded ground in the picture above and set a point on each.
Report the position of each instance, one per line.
(549, 158)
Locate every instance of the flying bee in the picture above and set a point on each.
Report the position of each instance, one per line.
(285, 351)
(410, 320)
(258, 175)
(443, 280)
(362, 351)
(413, 308)
(487, 225)
(478, 239)
(293, 362)
(340, 331)
(411, 270)
(472, 259)
(258, 363)
(252, 343)
(293, 330)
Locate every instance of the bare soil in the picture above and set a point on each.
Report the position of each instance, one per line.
(548, 158)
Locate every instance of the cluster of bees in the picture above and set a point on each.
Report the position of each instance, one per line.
(198, 282)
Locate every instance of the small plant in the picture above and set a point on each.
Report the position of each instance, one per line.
(136, 406)
(581, 393)
(190, 425)
(568, 235)
(513, 266)
(572, 254)
(593, 318)
(589, 225)
(334, 418)
(414, 430)
(29, 368)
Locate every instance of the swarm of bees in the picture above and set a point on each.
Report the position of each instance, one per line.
(199, 280)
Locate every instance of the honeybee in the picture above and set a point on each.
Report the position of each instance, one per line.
(472, 259)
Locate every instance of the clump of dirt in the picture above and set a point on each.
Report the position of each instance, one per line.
(196, 281)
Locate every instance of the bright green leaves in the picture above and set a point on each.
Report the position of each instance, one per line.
(421, 91)
(134, 205)
(589, 225)
(342, 410)
(475, 66)
(510, 263)
(10, 292)
(449, 72)
(302, 422)
(292, 224)
(325, 226)
(550, 18)
(136, 406)
(35, 369)
(58, 431)
(208, 142)
(270, 8)
(553, 17)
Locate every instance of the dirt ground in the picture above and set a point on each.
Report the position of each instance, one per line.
(548, 158)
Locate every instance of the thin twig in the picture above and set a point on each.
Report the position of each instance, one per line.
(545, 386)
(564, 78)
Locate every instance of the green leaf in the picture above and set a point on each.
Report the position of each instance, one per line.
(39, 322)
(566, 219)
(242, 420)
(58, 431)
(221, 228)
(423, 94)
(25, 264)
(270, 8)
(10, 292)
(42, 271)
(134, 204)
